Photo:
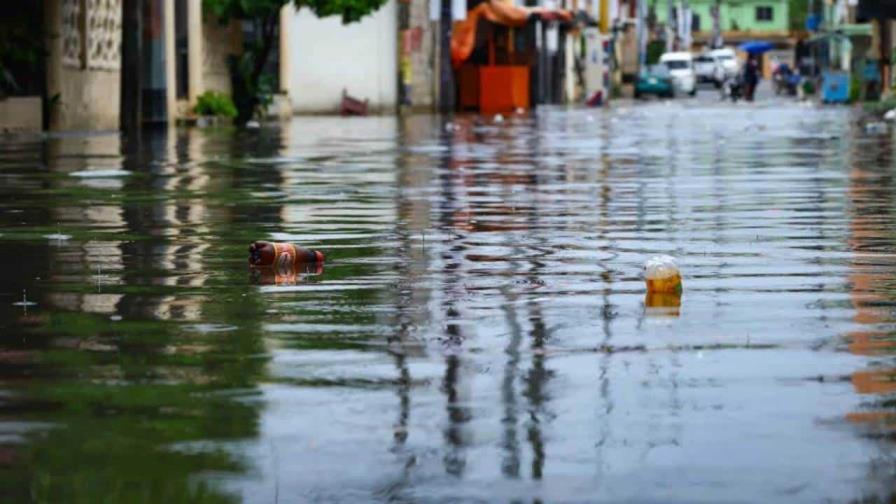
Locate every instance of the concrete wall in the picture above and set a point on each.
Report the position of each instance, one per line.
(326, 56)
(21, 113)
(88, 98)
(218, 42)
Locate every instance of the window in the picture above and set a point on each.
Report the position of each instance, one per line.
(764, 13)
(695, 22)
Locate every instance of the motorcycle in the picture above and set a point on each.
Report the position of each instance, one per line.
(785, 83)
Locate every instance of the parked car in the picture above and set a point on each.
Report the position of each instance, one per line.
(709, 69)
(655, 81)
(681, 67)
(728, 59)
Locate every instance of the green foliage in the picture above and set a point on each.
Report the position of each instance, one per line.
(22, 49)
(855, 87)
(808, 86)
(655, 49)
(798, 11)
(211, 103)
(349, 10)
(880, 107)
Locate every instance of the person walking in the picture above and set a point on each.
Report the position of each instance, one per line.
(751, 77)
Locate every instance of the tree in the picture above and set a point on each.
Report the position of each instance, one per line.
(799, 11)
(250, 85)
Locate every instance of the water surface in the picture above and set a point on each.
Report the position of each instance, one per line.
(479, 332)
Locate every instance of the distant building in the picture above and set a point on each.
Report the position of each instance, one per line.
(739, 20)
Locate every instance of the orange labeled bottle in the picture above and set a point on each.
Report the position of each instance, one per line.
(281, 255)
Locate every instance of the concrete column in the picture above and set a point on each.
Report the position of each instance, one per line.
(195, 51)
(286, 15)
(170, 69)
(52, 24)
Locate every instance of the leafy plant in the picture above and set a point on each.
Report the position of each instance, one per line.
(855, 88)
(22, 50)
(251, 92)
(211, 103)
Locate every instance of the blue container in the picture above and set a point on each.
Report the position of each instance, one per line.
(834, 87)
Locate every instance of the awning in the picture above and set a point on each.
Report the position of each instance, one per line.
(844, 31)
(501, 12)
(856, 30)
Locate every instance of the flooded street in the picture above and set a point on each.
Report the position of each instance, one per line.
(479, 331)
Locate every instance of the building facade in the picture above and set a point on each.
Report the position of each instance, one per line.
(738, 19)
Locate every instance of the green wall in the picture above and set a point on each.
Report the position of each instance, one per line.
(735, 14)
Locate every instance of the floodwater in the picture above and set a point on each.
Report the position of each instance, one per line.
(479, 332)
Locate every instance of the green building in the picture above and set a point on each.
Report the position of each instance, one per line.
(739, 19)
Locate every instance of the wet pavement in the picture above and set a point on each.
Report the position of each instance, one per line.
(479, 332)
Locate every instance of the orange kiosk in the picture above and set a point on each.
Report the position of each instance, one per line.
(502, 83)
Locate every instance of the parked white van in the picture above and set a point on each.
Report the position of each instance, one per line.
(728, 59)
(681, 67)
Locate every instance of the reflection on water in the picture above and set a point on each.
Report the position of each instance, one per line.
(480, 329)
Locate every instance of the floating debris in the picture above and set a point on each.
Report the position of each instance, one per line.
(498, 118)
(662, 275)
(282, 255)
(101, 173)
(24, 303)
(876, 128)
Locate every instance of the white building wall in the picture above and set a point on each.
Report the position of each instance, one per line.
(326, 56)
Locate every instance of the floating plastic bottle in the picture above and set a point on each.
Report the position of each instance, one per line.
(282, 255)
(662, 275)
(661, 304)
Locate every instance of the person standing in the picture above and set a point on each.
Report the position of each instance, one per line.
(751, 77)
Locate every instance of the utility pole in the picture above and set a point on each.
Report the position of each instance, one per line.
(604, 20)
(642, 35)
(670, 26)
(446, 73)
(131, 113)
(716, 12)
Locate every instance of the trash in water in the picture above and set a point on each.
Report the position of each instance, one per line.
(662, 304)
(281, 255)
(253, 125)
(499, 118)
(24, 302)
(100, 173)
(353, 106)
(520, 110)
(450, 126)
(662, 275)
(875, 128)
(890, 115)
